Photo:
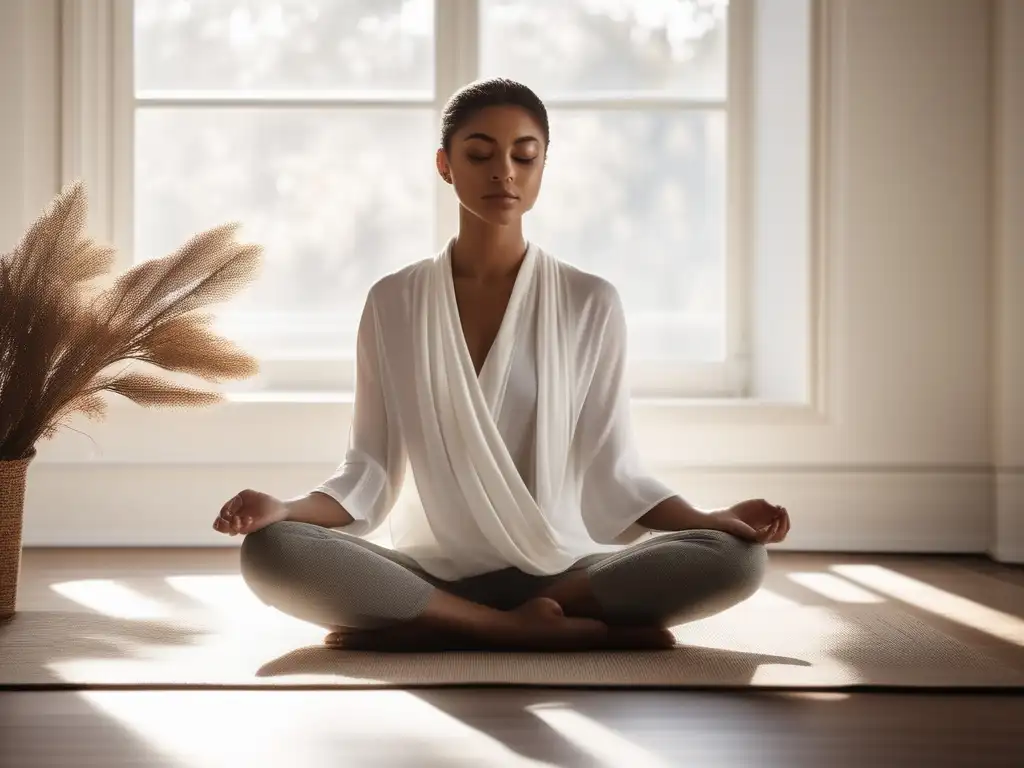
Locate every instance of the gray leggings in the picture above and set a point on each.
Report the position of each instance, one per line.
(335, 580)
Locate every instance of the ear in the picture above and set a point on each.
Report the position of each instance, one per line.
(443, 168)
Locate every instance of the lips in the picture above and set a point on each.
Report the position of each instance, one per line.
(501, 196)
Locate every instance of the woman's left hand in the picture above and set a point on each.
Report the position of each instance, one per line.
(753, 520)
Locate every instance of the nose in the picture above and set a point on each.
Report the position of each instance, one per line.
(502, 171)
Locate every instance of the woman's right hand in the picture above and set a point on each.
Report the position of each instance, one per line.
(248, 511)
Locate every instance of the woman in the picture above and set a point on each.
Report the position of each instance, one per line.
(497, 373)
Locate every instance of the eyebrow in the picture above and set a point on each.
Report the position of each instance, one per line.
(492, 140)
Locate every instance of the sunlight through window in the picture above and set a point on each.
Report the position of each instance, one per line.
(766, 598)
(230, 604)
(194, 731)
(224, 592)
(595, 739)
(110, 598)
(220, 728)
(938, 601)
(833, 587)
(816, 695)
(824, 670)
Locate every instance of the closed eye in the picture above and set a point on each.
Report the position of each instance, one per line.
(521, 160)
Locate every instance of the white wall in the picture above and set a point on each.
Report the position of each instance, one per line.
(1008, 346)
(29, 113)
(894, 453)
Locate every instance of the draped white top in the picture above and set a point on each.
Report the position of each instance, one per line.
(532, 464)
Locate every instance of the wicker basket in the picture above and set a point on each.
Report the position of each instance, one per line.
(12, 507)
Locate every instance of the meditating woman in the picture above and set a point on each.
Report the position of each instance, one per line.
(498, 373)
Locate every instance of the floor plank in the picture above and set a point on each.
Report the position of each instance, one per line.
(638, 729)
(499, 728)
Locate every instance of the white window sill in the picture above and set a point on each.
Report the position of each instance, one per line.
(265, 403)
(311, 429)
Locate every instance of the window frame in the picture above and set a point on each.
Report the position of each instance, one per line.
(99, 102)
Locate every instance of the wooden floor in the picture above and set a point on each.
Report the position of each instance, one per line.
(529, 727)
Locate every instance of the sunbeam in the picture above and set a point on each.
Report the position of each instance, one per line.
(938, 601)
(595, 739)
(827, 585)
(110, 598)
(300, 727)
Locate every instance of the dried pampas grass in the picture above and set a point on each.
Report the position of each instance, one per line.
(64, 343)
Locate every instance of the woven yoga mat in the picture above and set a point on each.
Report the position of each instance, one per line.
(237, 642)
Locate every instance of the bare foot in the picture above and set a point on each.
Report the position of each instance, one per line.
(640, 638)
(527, 628)
(539, 624)
(543, 626)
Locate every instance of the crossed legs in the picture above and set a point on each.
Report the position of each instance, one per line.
(359, 590)
(667, 580)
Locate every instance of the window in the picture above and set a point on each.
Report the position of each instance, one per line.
(314, 123)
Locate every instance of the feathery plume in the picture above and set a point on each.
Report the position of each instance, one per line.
(58, 344)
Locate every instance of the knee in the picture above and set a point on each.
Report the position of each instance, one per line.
(257, 544)
(743, 565)
(736, 567)
(268, 551)
(683, 577)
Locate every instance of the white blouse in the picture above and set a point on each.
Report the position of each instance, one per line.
(530, 465)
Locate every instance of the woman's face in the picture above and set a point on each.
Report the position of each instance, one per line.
(495, 163)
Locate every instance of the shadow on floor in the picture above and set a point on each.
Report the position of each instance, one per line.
(317, 660)
(36, 720)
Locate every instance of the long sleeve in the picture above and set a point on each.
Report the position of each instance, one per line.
(368, 482)
(616, 489)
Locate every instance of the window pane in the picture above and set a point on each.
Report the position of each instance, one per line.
(639, 198)
(299, 45)
(573, 46)
(338, 199)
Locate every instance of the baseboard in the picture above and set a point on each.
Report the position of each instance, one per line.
(1008, 538)
(832, 510)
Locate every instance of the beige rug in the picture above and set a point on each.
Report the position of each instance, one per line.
(233, 641)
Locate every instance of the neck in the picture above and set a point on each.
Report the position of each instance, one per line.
(482, 250)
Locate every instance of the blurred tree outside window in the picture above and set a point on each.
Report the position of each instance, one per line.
(314, 123)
